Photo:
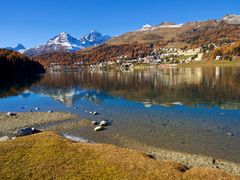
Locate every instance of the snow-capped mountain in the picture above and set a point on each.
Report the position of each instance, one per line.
(93, 38)
(232, 19)
(67, 43)
(19, 48)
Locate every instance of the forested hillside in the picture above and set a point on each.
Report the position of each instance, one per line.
(12, 62)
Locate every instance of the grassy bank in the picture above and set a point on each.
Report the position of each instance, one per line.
(49, 156)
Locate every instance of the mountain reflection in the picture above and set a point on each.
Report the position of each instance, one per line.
(15, 85)
(216, 86)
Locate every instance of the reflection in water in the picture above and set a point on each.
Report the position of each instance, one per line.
(127, 98)
(14, 85)
(170, 86)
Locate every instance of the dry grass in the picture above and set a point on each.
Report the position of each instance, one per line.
(49, 156)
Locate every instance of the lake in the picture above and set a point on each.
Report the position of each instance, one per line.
(194, 110)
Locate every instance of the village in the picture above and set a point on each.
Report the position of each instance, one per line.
(161, 56)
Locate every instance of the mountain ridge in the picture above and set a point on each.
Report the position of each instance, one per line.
(64, 42)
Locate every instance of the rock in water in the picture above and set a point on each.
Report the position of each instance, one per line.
(105, 123)
(94, 123)
(99, 128)
(94, 113)
(50, 111)
(37, 108)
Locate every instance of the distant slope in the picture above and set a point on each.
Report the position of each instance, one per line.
(188, 35)
(96, 54)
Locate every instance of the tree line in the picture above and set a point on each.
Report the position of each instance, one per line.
(12, 62)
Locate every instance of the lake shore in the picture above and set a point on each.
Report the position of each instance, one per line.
(48, 155)
(187, 160)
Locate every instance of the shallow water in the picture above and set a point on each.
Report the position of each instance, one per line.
(193, 110)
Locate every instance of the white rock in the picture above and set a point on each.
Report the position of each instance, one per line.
(4, 138)
(230, 134)
(94, 123)
(37, 108)
(99, 128)
(94, 113)
(10, 114)
(50, 111)
(104, 123)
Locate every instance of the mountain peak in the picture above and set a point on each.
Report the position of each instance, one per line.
(94, 38)
(63, 34)
(94, 32)
(65, 42)
(19, 48)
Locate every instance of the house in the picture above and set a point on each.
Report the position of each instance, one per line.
(218, 58)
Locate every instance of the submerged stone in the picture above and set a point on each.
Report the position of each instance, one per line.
(94, 123)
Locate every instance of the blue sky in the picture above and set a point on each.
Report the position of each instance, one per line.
(33, 22)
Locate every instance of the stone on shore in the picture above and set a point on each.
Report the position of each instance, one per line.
(26, 131)
(105, 123)
(94, 123)
(10, 114)
(4, 138)
(99, 128)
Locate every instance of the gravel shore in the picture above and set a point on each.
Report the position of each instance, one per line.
(189, 160)
(8, 124)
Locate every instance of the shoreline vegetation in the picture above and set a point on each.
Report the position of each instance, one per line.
(49, 152)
